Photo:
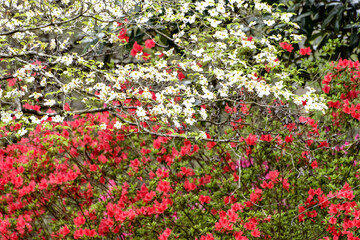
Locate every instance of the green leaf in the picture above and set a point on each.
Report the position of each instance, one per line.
(330, 17)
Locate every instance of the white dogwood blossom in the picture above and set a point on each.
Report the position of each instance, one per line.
(224, 62)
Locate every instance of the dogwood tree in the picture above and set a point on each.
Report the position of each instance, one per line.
(171, 119)
(171, 60)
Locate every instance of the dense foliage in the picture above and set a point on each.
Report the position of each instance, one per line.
(173, 120)
(324, 20)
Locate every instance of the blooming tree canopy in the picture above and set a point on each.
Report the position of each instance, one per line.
(172, 120)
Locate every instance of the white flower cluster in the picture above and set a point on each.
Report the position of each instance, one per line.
(218, 61)
(6, 117)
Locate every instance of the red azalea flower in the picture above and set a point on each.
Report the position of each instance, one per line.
(266, 138)
(122, 35)
(314, 164)
(289, 139)
(269, 185)
(136, 49)
(251, 139)
(67, 107)
(146, 56)
(332, 220)
(305, 51)
(133, 52)
(204, 199)
(286, 46)
(149, 43)
(11, 81)
(180, 75)
(79, 220)
(326, 89)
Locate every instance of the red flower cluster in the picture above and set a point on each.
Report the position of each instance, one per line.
(251, 140)
(122, 35)
(204, 199)
(346, 76)
(149, 43)
(286, 46)
(165, 234)
(305, 51)
(139, 49)
(136, 49)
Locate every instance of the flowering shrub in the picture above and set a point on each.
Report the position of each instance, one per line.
(139, 121)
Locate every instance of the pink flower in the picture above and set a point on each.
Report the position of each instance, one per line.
(332, 220)
(289, 139)
(245, 163)
(180, 75)
(122, 35)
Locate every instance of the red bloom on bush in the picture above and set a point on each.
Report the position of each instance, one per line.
(136, 49)
(145, 56)
(311, 214)
(11, 81)
(289, 139)
(314, 164)
(286, 46)
(305, 51)
(269, 185)
(89, 233)
(232, 215)
(251, 139)
(286, 184)
(204, 199)
(326, 89)
(31, 107)
(180, 75)
(149, 43)
(273, 175)
(332, 220)
(250, 226)
(266, 138)
(186, 172)
(210, 145)
(79, 220)
(122, 35)
(165, 234)
(333, 209)
(163, 186)
(256, 195)
(78, 233)
(189, 186)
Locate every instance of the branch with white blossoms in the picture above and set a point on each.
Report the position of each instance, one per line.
(222, 50)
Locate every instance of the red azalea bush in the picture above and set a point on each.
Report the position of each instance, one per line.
(76, 179)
